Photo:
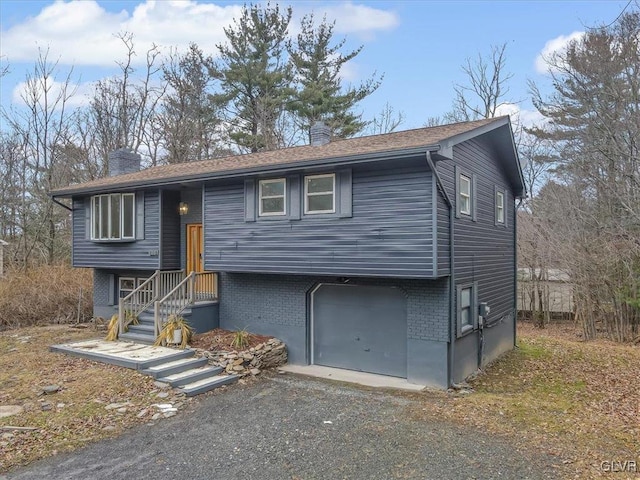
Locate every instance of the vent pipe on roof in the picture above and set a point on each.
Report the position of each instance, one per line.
(320, 134)
(123, 161)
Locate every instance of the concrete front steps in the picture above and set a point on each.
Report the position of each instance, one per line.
(191, 375)
(179, 368)
(143, 332)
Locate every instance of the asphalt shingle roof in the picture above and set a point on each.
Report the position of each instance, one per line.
(336, 149)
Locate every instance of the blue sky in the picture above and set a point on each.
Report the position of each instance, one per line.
(419, 46)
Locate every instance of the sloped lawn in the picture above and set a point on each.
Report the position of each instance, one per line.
(574, 399)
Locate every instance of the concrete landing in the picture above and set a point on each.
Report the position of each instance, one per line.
(123, 354)
(351, 376)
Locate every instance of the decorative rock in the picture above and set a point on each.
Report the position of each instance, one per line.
(51, 389)
(156, 416)
(115, 406)
(45, 406)
(8, 410)
(109, 428)
(255, 371)
(161, 385)
(122, 410)
(142, 413)
(168, 414)
(269, 354)
(60, 405)
(162, 394)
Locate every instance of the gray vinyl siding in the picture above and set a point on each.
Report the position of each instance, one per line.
(193, 197)
(141, 253)
(389, 234)
(170, 245)
(484, 251)
(443, 245)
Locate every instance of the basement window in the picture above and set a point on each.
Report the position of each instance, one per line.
(113, 216)
(467, 319)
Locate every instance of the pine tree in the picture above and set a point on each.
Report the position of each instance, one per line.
(317, 65)
(255, 77)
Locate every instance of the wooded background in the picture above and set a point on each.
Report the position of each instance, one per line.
(265, 88)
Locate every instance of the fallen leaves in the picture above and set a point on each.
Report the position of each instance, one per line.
(579, 400)
(76, 411)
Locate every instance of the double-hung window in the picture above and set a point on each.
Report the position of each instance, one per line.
(113, 216)
(272, 197)
(499, 207)
(320, 193)
(465, 194)
(467, 304)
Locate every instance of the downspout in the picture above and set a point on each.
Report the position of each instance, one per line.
(515, 270)
(57, 202)
(452, 332)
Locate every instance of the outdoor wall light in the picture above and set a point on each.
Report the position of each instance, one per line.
(183, 208)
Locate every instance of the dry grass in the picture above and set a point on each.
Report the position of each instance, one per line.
(577, 400)
(46, 294)
(77, 413)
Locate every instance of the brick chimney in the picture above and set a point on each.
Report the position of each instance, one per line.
(320, 134)
(123, 161)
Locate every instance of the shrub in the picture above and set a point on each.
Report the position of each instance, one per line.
(45, 294)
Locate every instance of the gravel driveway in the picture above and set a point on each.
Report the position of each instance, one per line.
(278, 428)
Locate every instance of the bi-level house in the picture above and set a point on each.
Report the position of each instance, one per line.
(392, 254)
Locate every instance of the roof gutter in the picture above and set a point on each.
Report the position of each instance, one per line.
(302, 164)
(58, 202)
(452, 281)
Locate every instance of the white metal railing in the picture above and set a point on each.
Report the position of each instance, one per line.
(194, 287)
(142, 297)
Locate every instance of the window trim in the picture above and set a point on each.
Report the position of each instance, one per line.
(261, 213)
(96, 208)
(469, 196)
(500, 208)
(132, 279)
(307, 194)
(463, 330)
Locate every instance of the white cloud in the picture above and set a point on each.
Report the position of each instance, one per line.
(554, 46)
(360, 20)
(82, 32)
(521, 116)
(78, 95)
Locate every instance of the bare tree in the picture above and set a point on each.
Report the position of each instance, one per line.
(386, 121)
(486, 87)
(122, 109)
(594, 124)
(42, 129)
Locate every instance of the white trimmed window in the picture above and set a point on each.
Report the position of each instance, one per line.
(500, 207)
(320, 193)
(126, 285)
(465, 195)
(113, 216)
(272, 197)
(465, 308)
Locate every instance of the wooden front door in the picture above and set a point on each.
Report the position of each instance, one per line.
(195, 247)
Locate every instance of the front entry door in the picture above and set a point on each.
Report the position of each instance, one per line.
(195, 245)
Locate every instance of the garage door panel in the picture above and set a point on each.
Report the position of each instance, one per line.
(360, 328)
